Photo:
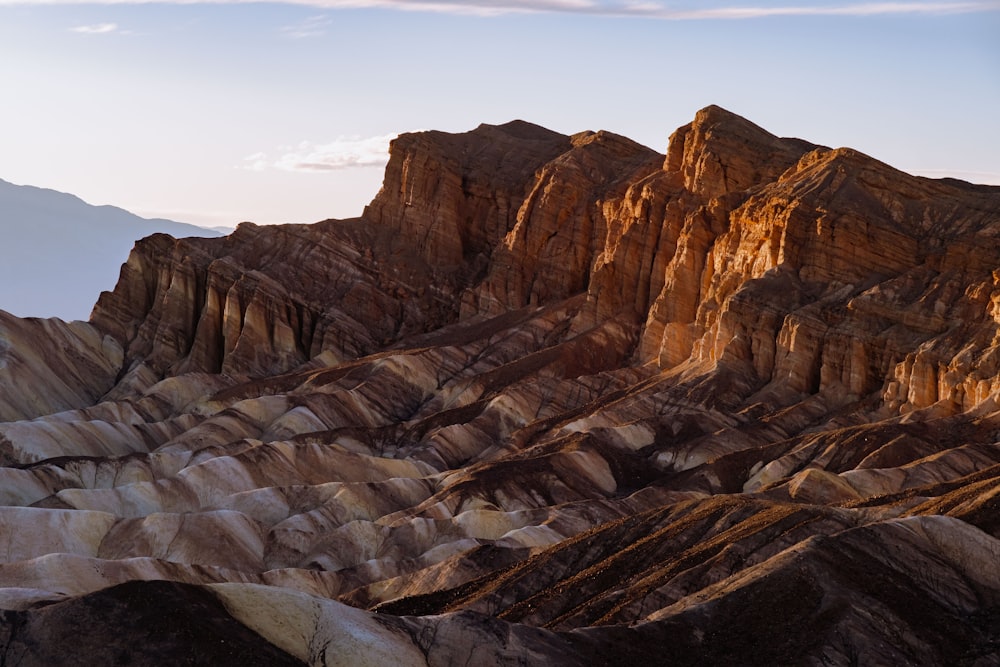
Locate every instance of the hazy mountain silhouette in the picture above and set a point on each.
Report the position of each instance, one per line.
(57, 252)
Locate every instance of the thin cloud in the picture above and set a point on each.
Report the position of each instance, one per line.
(314, 26)
(342, 153)
(255, 162)
(651, 9)
(474, 7)
(96, 29)
(857, 9)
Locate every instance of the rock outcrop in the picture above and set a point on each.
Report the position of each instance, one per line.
(551, 400)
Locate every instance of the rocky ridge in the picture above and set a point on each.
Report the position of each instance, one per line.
(550, 400)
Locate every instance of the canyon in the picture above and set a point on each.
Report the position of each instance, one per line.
(550, 399)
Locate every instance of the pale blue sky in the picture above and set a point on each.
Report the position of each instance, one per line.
(214, 113)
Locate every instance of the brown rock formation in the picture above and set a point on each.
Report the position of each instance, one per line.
(453, 197)
(49, 365)
(551, 400)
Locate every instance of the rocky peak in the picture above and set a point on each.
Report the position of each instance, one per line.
(455, 196)
(720, 152)
(519, 129)
(560, 228)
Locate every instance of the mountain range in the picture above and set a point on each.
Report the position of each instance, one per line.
(550, 400)
(59, 251)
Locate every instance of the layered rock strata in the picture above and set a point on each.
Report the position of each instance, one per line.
(550, 400)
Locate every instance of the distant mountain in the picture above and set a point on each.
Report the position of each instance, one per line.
(57, 252)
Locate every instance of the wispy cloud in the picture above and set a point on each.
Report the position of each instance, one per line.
(314, 26)
(342, 153)
(96, 29)
(474, 7)
(833, 9)
(653, 9)
(256, 162)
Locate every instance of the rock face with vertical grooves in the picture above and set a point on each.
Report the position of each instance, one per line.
(550, 400)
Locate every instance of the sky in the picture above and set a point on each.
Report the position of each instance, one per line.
(217, 112)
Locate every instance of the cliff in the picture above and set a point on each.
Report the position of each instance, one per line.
(550, 399)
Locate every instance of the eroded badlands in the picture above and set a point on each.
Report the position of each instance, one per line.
(550, 400)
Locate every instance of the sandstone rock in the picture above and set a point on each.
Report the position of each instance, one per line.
(550, 252)
(54, 365)
(720, 152)
(456, 196)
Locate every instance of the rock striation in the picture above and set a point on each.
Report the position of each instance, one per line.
(550, 400)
